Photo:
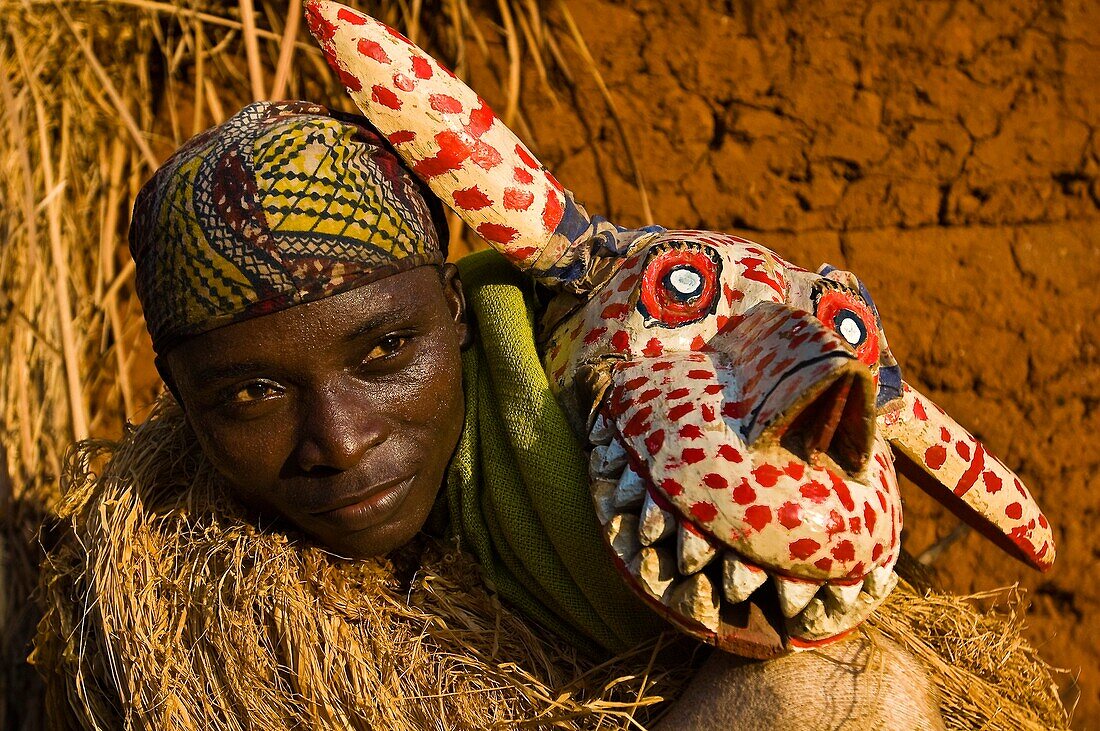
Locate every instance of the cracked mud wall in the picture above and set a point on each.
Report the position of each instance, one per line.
(946, 152)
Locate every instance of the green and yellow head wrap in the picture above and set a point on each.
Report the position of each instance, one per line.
(282, 204)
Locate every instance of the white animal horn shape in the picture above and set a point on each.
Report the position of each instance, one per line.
(454, 142)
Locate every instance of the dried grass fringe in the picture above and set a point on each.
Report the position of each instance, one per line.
(167, 609)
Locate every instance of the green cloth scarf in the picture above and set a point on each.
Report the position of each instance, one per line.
(517, 487)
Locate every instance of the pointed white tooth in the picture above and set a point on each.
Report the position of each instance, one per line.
(656, 523)
(839, 599)
(739, 580)
(697, 598)
(622, 534)
(630, 492)
(794, 595)
(603, 497)
(692, 550)
(655, 569)
(607, 460)
(880, 582)
(602, 432)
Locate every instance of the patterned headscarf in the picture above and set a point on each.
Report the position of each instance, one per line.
(282, 204)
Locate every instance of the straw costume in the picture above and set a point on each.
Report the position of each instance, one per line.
(170, 608)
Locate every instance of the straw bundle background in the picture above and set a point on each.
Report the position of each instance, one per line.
(94, 94)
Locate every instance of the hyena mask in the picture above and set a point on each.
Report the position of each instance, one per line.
(742, 412)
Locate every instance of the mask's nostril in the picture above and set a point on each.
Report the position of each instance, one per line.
(839, 422)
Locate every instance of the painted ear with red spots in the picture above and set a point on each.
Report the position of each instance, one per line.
(454, 142)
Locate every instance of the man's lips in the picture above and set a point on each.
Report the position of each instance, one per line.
(369, 507)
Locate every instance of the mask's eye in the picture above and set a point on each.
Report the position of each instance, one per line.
(852, 319)
(679, 284)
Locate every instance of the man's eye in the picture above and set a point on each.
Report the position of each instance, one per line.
(254, 391)
(386, 347)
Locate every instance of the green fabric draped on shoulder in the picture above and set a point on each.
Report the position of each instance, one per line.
(517, 488)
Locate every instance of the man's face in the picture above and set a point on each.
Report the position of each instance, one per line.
(339, 415)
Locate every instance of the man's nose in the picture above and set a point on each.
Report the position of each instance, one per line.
(338, 427)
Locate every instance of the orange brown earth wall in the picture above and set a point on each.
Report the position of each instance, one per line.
(946, 152)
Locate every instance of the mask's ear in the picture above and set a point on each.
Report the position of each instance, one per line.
(453, 141)
(888, 396)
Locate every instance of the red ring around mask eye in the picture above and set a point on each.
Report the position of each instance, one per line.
(852, 320)
(680, 285)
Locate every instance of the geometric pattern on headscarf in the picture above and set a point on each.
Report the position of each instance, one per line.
(283, 203)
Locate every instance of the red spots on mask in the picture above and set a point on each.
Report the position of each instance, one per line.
(635, 383)
(767, 475)
(653, 348)
(385, 97)
(876, 552)
(401, 135)
(638, 423)
(671, 487)
(553, 182)
(628, 283)
(697, 343)
(523, 253)
(992, 482)
(754, 273)
(708, 413)
(735, 409)
(1014, 511)
(945, 436)
(497, 233)
(743, 494)
(349, 80)
(935, 456)
(664, 365)
(758, 516)
(616, 311)
(918, 410)
(525, 156)
(655, 441)
(522, 176)
(620, 341)
(700, 374)
(730, 453)
(732, 295)
(854, 524)
(789, 516)
(680, 410)
(319, 26)
(704, 511)
(795, 470)
(690, 431)
(692, 455)
(677, 393)
(552, 212)
(350, 16)
(825, 564)
(977, 465)
(844, 551)
(594, 334)
(835, 524)
(814, 491)
(713, 389)
(803, 548)
(471, 199)
(648, 396)
(869, 517)
(962, 449)
(371, 49)
(422, 68)
(518, 200)
(840, 487)
(715, 481)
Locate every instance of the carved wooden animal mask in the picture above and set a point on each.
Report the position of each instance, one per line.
(742, 412)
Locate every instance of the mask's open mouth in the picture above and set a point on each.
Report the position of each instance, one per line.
(708, 589)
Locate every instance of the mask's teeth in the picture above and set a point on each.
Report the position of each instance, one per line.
(655, 569)
(880, 582)
(840, 599)
(656, 523)
(692, 550)
(794, 595)
(630, 492)
(622, 534)
(603, 497)
(697, 598)
(739, 580)
(602, 432)
(607, 461)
